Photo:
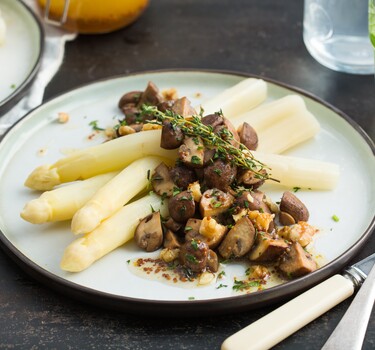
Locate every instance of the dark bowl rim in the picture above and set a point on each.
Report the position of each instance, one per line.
(214, 306)
(21, 90)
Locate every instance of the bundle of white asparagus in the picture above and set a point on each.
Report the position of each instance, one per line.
(111, 178)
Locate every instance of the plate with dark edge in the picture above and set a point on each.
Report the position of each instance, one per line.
(20, 53)
(39, 139)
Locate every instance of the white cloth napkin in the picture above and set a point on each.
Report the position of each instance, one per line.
(53, 54)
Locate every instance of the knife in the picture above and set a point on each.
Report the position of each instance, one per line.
(290, 317)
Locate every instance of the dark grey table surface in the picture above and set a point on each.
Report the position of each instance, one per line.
(262, 37)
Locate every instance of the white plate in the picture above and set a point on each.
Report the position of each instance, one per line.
(39, 139)
(20, 53)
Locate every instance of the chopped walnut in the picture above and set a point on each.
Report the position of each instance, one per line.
(261, 221)
(210, 228)
(149, 126)
(195, 189)
(258, 272)
(169, 255)
(124, 130)
(301, 232)
(170, 94)
(63, 117)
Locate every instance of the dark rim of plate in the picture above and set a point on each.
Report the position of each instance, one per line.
(161, 308)
(21, 90)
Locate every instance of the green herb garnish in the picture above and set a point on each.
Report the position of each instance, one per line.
(94, 126)
(240, 156)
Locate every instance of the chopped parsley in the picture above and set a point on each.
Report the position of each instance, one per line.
(196, 160)
(335, 218)
(94, 126)
(296, 189)
(243, 285)
(221, 286)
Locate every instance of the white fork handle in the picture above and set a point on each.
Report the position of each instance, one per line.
(290, 317)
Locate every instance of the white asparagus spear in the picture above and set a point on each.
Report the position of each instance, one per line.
(301, 172)
(114, 194)
(111, 234)
(105, 157)
(281, 124)
(237, 99)
(63, 202)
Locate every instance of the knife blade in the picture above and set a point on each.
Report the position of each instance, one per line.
(295, 314)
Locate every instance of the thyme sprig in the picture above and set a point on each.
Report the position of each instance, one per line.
(194, 127)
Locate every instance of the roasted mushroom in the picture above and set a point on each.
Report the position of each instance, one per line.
(149, 233)
(131, 98)
(183, 176)
(214, 202)
(248, 136)
(183, 107)
(181, 206)
(194, 255)
(251, 179)
(212, 261)
(171, 240)
(297, 262)
(267, 248)
(220, 174)
(171, 136)
(191, 152)
(151, 95)
(291, 205)
(239, 239)
(161, 181)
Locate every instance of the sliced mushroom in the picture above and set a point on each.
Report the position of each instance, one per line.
(183, 107)
(149, 233)
(191, 152)
(220, 174)
(212, 261)
(172, 225)
(297, 262)
(214, 120)
(267, 248)
(248, 136)
(251, 179)
(151, 95)
(194, 255)
(165, 105)
(131, 98)
(183, 176)
(214, 202)
(161, 181)
(293, 206)
(171, 240)
(181, 206)
(239, 239)
(286, 219)
(171, 136)
(232, 136)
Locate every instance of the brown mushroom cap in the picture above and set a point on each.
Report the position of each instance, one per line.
(220, 174)
(171, 136)
(149, 233)
(181, 206)
(131, 97)
(293, 206)
(183, 176)
(194, 255)
(248, 136)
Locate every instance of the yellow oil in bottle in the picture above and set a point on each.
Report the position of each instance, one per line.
(96, 16)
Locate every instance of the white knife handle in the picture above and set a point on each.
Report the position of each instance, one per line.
(287, 319)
